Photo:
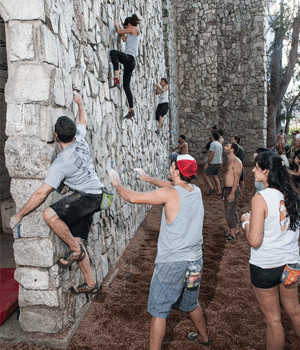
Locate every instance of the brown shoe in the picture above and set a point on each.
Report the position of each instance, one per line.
(71, 257)
(84, 288)
(129, 115)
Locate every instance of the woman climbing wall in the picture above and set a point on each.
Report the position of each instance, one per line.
(131, 35)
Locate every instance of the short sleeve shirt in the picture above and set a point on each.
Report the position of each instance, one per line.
(217, 148)
(240, 154)
(74, 167)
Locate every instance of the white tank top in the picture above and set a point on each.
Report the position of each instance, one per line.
(132, 44)
(164, 97)
(279, 245)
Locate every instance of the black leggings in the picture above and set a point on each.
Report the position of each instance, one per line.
(128, 62)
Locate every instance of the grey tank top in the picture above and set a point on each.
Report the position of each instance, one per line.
(182, 239)
(132, 45)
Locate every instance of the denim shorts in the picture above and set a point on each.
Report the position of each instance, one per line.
(168, 289)
(77, 210)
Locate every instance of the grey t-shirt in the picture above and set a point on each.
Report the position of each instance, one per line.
(217, 148)
(74, 167)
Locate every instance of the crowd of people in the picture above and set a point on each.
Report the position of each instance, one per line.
(272, 226)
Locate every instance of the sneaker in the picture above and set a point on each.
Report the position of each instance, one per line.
(230, 238)
(71, 257)
(116, 81)
(157, 132)
(129, 115)
(84, 288)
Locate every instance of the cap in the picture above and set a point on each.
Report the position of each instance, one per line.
(187, 165)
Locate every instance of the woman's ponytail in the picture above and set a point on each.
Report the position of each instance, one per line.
(133, 20)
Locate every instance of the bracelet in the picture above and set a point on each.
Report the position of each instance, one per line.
(244, 224)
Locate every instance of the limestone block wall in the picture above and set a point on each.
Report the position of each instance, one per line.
(222, 71)
(171, 59)
(4, 177)
(53, 47)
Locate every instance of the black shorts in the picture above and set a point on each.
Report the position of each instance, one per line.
(242, 175)
(77, 210)
(213, 169)
(265, 278)
(161, 110)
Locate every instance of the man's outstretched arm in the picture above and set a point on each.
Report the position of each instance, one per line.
(145, 177)
(82, 113)
(157, 197)
(38, 197)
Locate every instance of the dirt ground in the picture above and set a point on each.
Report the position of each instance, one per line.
(118, 318)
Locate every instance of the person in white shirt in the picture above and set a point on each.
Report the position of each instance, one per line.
(272, 230)
(163, 106)
(284, 158)
(214, 164)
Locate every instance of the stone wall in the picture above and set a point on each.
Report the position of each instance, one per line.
(222, 71)
(4, 177)
(53, 47)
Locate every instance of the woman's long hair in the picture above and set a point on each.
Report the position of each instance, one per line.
(279, 178)
(133, 20)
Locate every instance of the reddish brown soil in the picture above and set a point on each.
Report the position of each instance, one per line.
(118, 318)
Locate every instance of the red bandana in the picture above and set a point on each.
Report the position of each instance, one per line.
(186, 165)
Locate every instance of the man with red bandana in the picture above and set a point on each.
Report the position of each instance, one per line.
(178, 265)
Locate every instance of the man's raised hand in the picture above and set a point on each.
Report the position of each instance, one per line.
(114, 177)
(76, 97)
(142, 175)
(14, 220)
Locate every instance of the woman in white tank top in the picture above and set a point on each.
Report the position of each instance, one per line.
(162, 90)
(272, 231)
(131, 35)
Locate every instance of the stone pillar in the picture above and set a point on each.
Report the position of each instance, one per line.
(4, 177)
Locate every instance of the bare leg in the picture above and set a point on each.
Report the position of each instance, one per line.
(290, 303)
(217, 182)
(268, 300)
(233, 232)
(116, 72)
(160, 122)
(208, 181)
(85, 267)
(199, 322)
(63, 232)
(157, 332)
(61, 229)
(242, 186)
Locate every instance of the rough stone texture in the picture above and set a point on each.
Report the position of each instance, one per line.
(32, 279)
(22, 10)
(21, 39)
(28, 297)
(28, 83)
(4, 176)
(40, 320)
(34, 252)
(222, 72)
(27, 157)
